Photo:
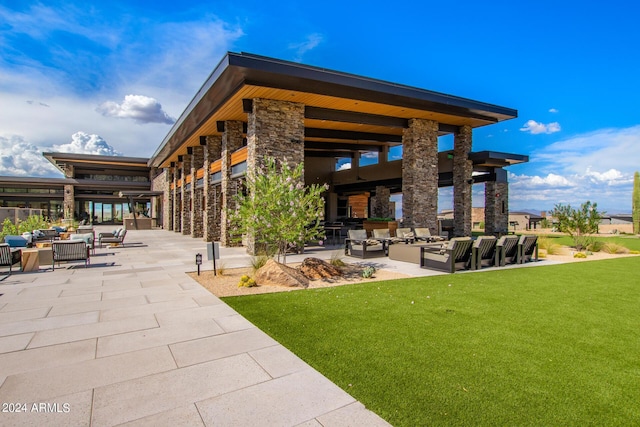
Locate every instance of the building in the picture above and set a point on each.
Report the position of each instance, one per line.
(367, 139)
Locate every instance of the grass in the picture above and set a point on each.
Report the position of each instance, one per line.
(631, 242)
(554, 345)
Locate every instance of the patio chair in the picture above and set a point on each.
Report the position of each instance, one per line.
(7, 258)
(358, 245)
(507, 250)
(483, 252)
(406, 235)
(70, 250)
(527, 249)
(88, 238)
(383, 234)
(456, 255)
(112, 238)
(424, 234)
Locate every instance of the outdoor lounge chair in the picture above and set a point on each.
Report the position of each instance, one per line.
(406, 235)
(7, 258)
(456, 255)
(112, 238)
(358, 245)
(483, 252)
(424, 234)
(383, 234)
(527, 249)
(88, 238)
(507, 250)
(70, 250)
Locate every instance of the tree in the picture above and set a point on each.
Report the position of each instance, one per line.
(578, 223)
(278, 209)
(636, 203)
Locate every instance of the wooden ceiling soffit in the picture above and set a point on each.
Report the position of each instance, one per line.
(350, 135)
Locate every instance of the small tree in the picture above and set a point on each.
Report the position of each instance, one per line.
(636, 203)
(578, 223)
(278, 209)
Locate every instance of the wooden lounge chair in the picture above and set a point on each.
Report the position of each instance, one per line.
(70, 250)
(527, 249)
(358, 245)
(483, 252)
(424, 234)
(507, 250)
(456, 255)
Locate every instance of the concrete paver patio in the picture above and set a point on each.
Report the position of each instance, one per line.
(133, 340)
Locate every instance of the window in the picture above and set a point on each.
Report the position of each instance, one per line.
(395, 153)
(343, 163)
(368, 158)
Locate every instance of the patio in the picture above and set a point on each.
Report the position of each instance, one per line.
(132, 339)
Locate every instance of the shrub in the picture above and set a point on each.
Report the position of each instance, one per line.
(246, 282)
(257, 262)
(634, 252)
(614, 248)
(579, 223)
(336, 259)
(8, 228)
(33, 222)
(579, 255)
(220, 269)
(549, 246)
(368, 272)
(596, 246)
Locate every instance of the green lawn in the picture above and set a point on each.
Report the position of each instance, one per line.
(550, 345)
(631, 242)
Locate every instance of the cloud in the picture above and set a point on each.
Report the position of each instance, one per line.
(83, 143)
(534, 127)
(311, 42)
(140, 108)
(21, 158)
(553, 110)
(344, 167)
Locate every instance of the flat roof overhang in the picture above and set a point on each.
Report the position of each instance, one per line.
(99, 163)
(339, 107)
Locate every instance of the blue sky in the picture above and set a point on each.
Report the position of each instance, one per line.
(111, 77)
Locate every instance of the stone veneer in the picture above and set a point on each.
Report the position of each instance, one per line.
(197, 214)
(496, 204)
(231, 141)
(162, 182)
(185, 209)
(462, 182)
(420, 174)
(212, 192)
(275, 129)
(177, 199)
(380, 203)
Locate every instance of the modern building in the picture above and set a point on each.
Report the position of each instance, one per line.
(367, 139)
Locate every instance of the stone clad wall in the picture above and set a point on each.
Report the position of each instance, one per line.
(231, 141)
(212, 193)
(496, 202)
(380, 203)
(161, 182)
(197, 160)
(420, 174)
(177, 199)
(185, 209)
(462, 182)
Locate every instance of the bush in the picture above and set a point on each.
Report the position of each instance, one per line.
(336, 259)
(614, 248)
(579, 255)
(368, 272)
(596, 246)
(549, 246)
(257, 262)
(246, 282)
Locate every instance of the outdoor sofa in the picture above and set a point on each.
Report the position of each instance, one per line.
(117, 237)
(424, 234)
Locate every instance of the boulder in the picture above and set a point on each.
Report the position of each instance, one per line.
(275, 274)
(315, 268)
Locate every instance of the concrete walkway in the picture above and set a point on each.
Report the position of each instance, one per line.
(133, 340)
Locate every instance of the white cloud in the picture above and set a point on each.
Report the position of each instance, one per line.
(534, 127)
(311, 42)
(553, 110)
(21, 158)
(344, 167)
(83, 143)
(140, 108)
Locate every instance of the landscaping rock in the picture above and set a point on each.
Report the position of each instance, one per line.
(315, 268)
(275, 274)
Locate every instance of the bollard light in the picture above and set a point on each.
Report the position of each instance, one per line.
(198, 262)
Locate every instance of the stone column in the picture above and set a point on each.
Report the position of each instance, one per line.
(275, 129)
(197, 211)
(69, 202)
(462, 182)
(496, 204)
(177, 198)
(380, 203)
(231, 141)
(185, 209)
(167, 205)
(212, 198)
(420, 174)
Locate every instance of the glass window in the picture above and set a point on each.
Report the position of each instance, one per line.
(395, 153)
(368, 158)
(343, 163)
